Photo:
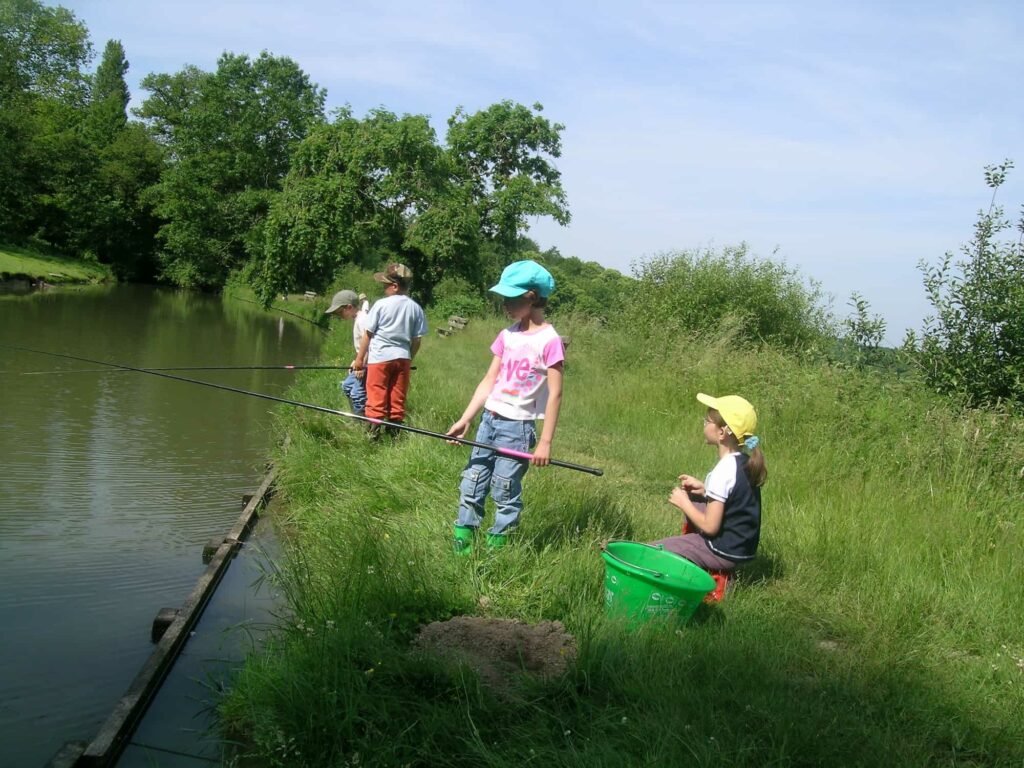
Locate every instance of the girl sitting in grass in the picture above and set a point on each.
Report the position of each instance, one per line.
(725, 509)
(523, 383)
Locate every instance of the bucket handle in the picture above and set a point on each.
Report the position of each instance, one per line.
(655, 574)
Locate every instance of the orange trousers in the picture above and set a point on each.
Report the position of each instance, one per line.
(386, 387)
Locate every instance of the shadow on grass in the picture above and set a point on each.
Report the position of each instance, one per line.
(759, 572)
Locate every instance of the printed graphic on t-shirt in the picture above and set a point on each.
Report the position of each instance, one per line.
(521, 372)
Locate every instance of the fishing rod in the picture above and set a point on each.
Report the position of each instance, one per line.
(198, 368)
(279, 309)
(520, 455)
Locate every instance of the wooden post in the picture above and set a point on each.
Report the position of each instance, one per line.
(163, 620)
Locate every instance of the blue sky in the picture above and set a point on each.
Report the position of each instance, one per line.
(846, 138)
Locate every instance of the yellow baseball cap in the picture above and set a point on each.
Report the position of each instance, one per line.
(738, 414)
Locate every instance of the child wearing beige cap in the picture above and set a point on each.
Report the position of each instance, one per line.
(394, 328)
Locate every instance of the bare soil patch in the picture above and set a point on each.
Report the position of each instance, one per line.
(500, 649)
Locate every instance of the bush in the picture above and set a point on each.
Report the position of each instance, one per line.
(860, 342)
(974, 345)
(690, 292)
(455, 296)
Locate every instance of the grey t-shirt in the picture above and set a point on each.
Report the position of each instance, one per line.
(394, 322)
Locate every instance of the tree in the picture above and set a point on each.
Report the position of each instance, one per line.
(502, 157)
(108, 105)
(974, 344)
(42, 52)
(360, 189)
(42, 89)
(228, 137)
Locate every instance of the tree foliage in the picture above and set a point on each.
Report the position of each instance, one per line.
(973, 346)
(42, 89)
(108, 103)
(360, 191)
(353, 188)
(228, 136)
(72, 169)
(585, 286)
(42, 52)
(502, 156)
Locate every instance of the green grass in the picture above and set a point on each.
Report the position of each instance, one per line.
(880, 624)
(17, 262)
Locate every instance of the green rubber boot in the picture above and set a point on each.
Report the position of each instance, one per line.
(496, 540)
(463, 540)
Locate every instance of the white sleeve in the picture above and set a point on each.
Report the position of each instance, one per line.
(721, 480)
(372, 319)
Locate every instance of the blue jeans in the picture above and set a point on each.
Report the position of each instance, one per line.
(502, 475)
(355, 391)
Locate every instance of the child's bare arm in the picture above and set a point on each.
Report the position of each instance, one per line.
(359, 365)
(542, 453)
(483, 389)
(707, 520)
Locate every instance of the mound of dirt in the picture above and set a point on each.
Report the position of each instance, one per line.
(499, 649)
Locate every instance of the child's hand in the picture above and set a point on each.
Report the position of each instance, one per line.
(691, 484)
(677, 497)
(458, 429)
(541, 454)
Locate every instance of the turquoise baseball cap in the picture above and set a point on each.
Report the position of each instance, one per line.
(522, 276)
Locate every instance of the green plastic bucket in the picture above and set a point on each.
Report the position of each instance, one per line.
(641, 581)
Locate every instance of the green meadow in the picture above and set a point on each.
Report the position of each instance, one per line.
(21, 262)
(879, 625)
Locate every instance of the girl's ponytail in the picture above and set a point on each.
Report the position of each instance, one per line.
(757, 471)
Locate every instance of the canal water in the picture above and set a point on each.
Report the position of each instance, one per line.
(111, 483)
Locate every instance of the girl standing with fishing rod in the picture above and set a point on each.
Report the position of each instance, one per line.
(724, 512)
(522, 384)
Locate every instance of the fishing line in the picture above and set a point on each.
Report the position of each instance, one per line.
(519, 455)
(196, 368)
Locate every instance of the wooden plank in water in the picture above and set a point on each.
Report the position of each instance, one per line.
(68, 755)
(116, 731)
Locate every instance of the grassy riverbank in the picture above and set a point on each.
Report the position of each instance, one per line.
(880, 624)
(19, 262)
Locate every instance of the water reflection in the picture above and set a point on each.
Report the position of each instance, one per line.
(110, 483)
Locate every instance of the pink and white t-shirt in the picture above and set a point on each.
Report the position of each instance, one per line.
(521, 389)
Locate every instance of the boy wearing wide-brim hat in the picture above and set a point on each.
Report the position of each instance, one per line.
(394, 329)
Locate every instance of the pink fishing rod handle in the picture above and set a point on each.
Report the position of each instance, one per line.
(517, 454)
